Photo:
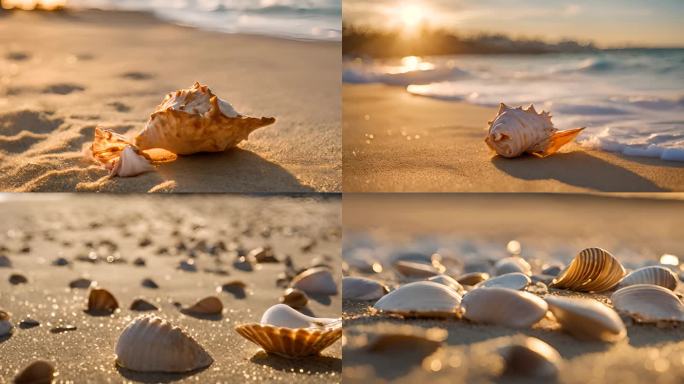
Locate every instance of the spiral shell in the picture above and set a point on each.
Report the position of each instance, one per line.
(421, 299)
(592, 270)
(587, 319)
(503, 306)
(514, 280)
(361, 288)
(654, 274)
(316, 280)
(151, 344)
(101, 302)
(648, 303)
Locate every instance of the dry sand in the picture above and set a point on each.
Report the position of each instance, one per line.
(61, 74)
(425, 145)
(477, 228)
(60, 226)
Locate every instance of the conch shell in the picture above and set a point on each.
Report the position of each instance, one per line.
(187, 121)
(515, 131)
(288, 333)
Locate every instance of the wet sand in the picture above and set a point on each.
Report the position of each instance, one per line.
(61, 226)
(425, 145)
(476, 228)
(63, 73)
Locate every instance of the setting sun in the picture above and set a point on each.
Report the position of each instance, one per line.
(411, 16)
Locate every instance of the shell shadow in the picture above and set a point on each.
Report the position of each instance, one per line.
(320, 298)
(155, 377)
(578, 169)
(310, 364)
(216, 317)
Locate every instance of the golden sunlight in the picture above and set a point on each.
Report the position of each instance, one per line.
(29, 5)
(410, 64)
(412, 16)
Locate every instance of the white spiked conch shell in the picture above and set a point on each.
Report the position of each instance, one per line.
(530, 357)
(316, 280)
(514, 280)
(654, 274)
(512, 264)
(421, 299)
(592, 270)
(130, 163)
(151, 344)
(587, 319)
(286, 332)
(449, 282)
(515, 131)
(362, 289)
(503, 306)
(647, 303)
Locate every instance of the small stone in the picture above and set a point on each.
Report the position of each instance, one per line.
(142, 305)
(28, 323)
(16, 278)
(139, 262)
(81, 283)
(60, 262)
(63, 328)
(149, 283)
(188, 265)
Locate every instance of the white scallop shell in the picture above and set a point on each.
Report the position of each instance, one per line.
(648, 303)
(512, 264)
(361, 288)
(421, 299)
(515, 131)
(151, 344)
(449, 282)
(592, 270)
(654, 274)
(503, 306)
(587, 319)
(530, 357)
(130, 163)
(513, 280)
(316, 280)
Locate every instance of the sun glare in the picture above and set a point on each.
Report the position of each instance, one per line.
(411, 16)
(29, 5)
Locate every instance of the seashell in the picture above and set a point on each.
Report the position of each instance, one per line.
(515, 131)
(81, 283)
(188, 265)
(503, 306)
(262, 255)
(315, 281)
(60, 262)
(288, 333)
(151, 344)
(101, 301)
(142, 305)
(6, 326)
(512, 264)
(5, 262)
(592, 270)
(362, 289)
(648, 303)
(655, 275)
(139, 262)
(131, 162)
(149, 283)
(421, 299)
(412, 269)
(587, 319)
(16, 279)
(514, 280)
(295, 298)
(531, 357)
(403, 337)
(235, 287)
(553, 269)
(38, 372)
(473, 278)
(449, 282)
(210, 305)
(28, 323)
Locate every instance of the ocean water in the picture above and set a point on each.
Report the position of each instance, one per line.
(294, 19)
(631, 101)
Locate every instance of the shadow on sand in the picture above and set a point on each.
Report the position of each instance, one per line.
(309, 365)
(154, 377)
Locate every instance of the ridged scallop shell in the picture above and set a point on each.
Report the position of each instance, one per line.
(512, 264)
(413, 269)
(449, 282)
(286, 332)
(130, 163)
(515, 131)
(38, 372)
(6, 326)
(362, 289)
(195, 120)
(101, 301)
(592, 270)
(210, 305)
(421, 299)
(473, 278)
(151, 344)
(503, 306)
(648, 303)
(655, 275)
(317, 280)
(531, 357)
(587, 319)
(514, 280)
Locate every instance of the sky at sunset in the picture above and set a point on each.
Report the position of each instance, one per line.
(608, 23)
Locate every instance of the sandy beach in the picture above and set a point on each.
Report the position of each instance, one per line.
(396, 142)
(63, 73)
(476, 228)
(38, 231)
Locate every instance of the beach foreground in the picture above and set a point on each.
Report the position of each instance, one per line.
(63, 73)
(394, 141)
(103, 245)
(475, 229)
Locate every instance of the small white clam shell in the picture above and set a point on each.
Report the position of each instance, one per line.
(592, 270)
(130, 164)
(362, 289)
(449, 282)
(318, 280)
(654, 274)
(587, 319)
(513, 280)
(648, 303)
(512, 264)
(421, 299)
(530, 357)
(503, 306)
(151, 344)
